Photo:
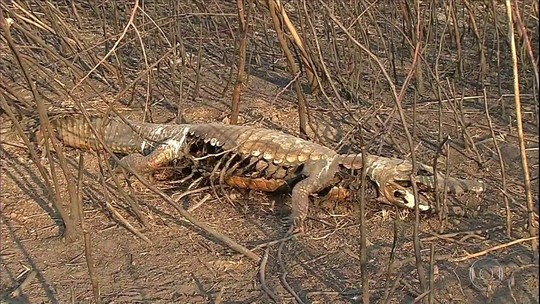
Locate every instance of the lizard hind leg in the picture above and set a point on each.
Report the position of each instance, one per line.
(135, 161)
(157, 159)
(222, 175)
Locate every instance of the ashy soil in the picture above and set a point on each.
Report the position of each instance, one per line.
(182, 264)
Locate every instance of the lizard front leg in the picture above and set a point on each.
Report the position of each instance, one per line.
(300, 201)
(319, 175)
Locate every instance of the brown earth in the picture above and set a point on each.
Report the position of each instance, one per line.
(184, 265)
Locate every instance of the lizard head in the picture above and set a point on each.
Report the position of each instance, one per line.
(401, 196)
(392, 177)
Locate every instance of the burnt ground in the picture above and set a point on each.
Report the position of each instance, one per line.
(184, 265)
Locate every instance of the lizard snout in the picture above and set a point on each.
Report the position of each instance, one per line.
(402, 197)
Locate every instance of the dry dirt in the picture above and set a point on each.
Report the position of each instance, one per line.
(184, 265)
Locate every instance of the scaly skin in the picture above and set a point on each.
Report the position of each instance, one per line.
(289, 157)
(249, 157)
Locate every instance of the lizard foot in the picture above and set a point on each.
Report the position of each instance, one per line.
(294, 225)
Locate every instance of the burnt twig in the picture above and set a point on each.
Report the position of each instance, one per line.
(533, 229)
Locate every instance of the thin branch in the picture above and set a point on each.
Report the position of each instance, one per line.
(533, 228)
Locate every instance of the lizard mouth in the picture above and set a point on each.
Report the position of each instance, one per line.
(403, 197)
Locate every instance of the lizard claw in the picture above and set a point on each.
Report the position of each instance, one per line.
(294, 225)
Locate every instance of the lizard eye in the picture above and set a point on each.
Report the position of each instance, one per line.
(398, 194)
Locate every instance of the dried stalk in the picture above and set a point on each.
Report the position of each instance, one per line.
(277, 22)
(501, 164)
(71, 231)
(533, 227)
(240, 76)
(86, 234)
(363, 223)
